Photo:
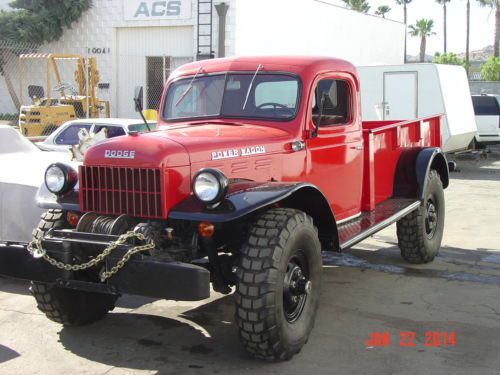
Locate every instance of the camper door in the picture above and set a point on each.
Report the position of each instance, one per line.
(400, 95)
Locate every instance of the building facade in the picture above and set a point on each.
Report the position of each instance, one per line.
(139, 42)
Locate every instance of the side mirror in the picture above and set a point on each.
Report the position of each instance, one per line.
(138, 94)
(138, 99)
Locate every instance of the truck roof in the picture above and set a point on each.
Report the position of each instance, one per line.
(301, 65)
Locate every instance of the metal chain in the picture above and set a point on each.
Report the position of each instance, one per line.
(36, 250)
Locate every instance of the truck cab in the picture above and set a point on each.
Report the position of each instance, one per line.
(258, 164)
(275, 107)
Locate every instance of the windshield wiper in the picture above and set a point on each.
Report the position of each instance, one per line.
(184, 94)
(259, 68)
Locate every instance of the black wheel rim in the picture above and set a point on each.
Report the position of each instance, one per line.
(296, 287)
(431, 218)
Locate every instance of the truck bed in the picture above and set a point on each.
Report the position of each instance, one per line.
(384, 143)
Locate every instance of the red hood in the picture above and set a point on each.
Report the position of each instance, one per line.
(192, 143)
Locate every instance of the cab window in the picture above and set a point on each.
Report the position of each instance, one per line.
(336, 96)
(279, 93)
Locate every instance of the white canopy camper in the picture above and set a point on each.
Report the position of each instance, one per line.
(401, 92)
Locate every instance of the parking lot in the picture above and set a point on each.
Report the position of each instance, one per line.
(367, 290)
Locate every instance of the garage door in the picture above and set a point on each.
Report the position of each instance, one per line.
(145, 56)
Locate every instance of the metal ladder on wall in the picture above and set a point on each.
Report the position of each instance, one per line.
(205, 30)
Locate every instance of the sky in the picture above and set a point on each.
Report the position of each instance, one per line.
(482, 23)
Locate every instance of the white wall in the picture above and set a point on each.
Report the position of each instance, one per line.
(100, 26)
(132, 45)
(253, 27)
(312, 27)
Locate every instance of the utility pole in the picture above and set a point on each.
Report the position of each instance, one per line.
(467, 39)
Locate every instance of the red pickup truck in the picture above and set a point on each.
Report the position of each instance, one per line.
(258, 164)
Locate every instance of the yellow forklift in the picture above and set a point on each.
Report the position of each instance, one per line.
(46, 113)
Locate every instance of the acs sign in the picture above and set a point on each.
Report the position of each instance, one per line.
(137, 10)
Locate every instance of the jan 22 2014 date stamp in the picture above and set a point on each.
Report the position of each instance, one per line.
(409, 339)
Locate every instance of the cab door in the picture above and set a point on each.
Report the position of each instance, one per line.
(335, 153)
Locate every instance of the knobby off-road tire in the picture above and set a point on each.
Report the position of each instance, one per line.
(280, 261)
(67, 306)
(420, 233)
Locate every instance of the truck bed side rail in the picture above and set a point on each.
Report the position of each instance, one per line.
(384, 142)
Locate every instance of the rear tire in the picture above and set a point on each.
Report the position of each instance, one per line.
(420, 232)
(278, 284)
(67, 306)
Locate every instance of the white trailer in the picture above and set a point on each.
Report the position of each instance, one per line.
(401, 92)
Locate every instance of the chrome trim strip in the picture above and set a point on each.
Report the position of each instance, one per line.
(349, 219)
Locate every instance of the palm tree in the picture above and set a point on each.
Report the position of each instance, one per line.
(404, 3)
(422, 29)
(494, 4)
(444, 19)
(358, 5)
(382, 10)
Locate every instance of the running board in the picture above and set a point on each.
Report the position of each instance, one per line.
(370, 222)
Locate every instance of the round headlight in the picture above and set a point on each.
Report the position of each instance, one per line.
(210, 186)
(59, 178)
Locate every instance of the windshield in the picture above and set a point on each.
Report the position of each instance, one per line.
(141, 128)
(270, 96)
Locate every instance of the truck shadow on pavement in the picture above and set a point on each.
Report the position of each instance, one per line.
(13, 286)
(452, 264)
(200, 337)
(206, 337)
(6, 354)
(477, 166)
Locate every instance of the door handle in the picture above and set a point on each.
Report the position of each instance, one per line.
(358, 148)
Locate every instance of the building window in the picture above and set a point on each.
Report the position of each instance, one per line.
(336, 98)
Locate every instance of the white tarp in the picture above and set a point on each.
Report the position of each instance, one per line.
(22, 169)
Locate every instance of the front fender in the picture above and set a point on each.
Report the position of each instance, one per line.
(69, 201)
(242, 199)
(248, 197)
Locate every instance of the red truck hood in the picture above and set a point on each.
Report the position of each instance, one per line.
(182, 145)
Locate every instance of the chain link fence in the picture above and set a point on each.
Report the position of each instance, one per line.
(149, 72)
(10, 97)
(38, 92)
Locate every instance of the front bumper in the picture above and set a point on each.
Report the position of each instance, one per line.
(142, 275)
(488, 139)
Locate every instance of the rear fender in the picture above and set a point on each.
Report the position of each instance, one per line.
(412, 169)
(247, 198)
(427, 159)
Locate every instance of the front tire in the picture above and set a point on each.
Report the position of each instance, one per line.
(278, 284)
(420, 232)
(67, 306)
